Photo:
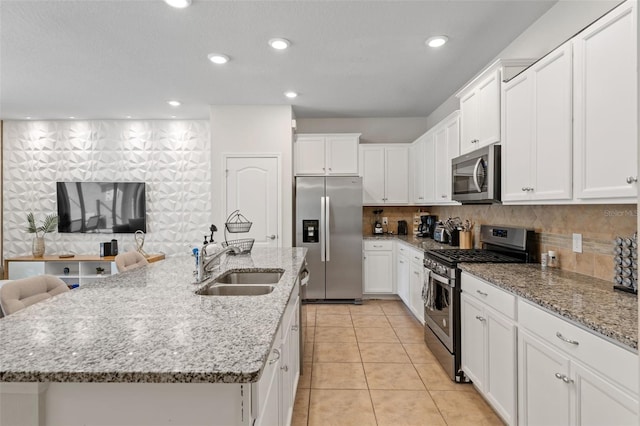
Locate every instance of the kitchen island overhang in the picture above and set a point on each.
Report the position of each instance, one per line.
(148, 327)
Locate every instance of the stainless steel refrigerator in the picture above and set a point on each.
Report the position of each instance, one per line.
(328, 221)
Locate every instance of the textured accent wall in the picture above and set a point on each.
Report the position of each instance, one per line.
(598, 224)
(171, 157)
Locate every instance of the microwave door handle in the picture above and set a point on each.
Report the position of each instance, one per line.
(475, 174)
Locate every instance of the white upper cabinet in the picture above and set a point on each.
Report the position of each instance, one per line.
(416, 161)
(447, 146)
(385, 173)
(480, 105)
(536, 131)
(326, 154)
(605, 107)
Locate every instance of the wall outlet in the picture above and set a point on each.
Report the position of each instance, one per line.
(385, 220)
(577, 243)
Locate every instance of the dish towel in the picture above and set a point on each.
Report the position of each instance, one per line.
(428, 292)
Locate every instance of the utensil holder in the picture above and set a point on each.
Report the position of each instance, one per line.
(466, 239)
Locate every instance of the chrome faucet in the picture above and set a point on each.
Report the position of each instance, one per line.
(207, 262)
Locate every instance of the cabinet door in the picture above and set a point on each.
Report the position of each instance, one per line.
(416, 157)
(447, 146)
(269, 404)
(397, 175)
(342, 155)
(488, 124)
(543, 398)
(468, 122)
(473, 340)
(19, 270)
(500, 379)
(429, 168)
(402, 279)
(310, 155)
(372, 169)
(605, 110)
(599, 402)
(416, 282)
(378, 270)
(551, 173)
(517, 97)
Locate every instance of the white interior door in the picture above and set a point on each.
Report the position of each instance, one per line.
(253, 187)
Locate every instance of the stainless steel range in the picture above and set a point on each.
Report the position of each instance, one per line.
(500, 244)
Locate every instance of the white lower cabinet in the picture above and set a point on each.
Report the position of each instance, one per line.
(402, 274)
(569, 376)
(544, 398)
(416, 281)
(488, 340)
(275, 392)
(378, 267)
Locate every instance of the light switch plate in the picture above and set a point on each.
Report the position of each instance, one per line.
(385, 221)
(577, 243)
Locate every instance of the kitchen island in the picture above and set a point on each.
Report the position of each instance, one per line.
(142, 347)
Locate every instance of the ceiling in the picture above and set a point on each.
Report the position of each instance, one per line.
(112, 59)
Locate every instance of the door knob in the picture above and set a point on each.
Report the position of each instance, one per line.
(271, 237)
(632, 179)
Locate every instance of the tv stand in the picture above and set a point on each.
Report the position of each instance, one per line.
(80, 269)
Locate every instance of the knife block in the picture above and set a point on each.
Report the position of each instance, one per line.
(466, 239)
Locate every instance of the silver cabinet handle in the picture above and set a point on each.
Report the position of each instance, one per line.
(564, 339)
(416, 272)
(566, 379)
(482, 293)
(376, 246)
(558, 376)
(524, 188)
(271, 237)
(330, 169)
(479, 318)
(417, 258)
(274, 360)
(400, 261)
(294, 328)
(632, 179)
(443, 196)
(284, 368)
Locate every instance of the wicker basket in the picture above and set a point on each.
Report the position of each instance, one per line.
(245, 245)
(237, 223)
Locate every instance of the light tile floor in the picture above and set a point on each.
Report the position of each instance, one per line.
(368, 365)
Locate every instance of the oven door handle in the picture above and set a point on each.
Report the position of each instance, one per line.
(441, 280)
(475, 174)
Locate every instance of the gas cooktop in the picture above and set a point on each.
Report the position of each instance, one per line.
(471, 255)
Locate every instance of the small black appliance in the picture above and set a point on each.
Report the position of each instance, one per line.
(402, 227)
(427, 226)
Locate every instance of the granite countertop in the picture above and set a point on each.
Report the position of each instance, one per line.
(412, 240)
(148, 325)
(585, 300)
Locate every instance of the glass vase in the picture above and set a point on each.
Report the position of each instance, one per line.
(37, 247)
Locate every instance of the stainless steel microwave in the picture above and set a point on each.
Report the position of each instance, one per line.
(475, 177)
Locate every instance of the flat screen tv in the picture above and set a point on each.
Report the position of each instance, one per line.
(101, 207)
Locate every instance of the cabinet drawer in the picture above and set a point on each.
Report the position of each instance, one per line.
(614, 362)
(498, 299)
(370, 245)
(411, 253)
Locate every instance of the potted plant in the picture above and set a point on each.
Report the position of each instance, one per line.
(49, 224)
(99, 270)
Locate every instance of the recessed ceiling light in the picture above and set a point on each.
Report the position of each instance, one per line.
(290, 95)
(218, 58)
(436, 41)
(71, 117)
(128, 116)
(173, 103)
(173, 116)
(28, 118)
(178, 4)
(279, 43)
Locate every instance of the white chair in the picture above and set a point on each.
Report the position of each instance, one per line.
(130, 260)
(18, 294)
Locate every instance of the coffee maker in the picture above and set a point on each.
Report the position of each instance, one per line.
(427, 226)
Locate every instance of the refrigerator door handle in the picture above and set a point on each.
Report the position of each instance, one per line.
(322, 228)
(327, 228)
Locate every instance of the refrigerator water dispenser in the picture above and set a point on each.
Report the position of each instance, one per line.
(310, 231)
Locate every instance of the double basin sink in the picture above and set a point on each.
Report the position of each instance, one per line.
(246, 282)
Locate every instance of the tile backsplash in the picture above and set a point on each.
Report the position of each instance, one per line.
(555, 225)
